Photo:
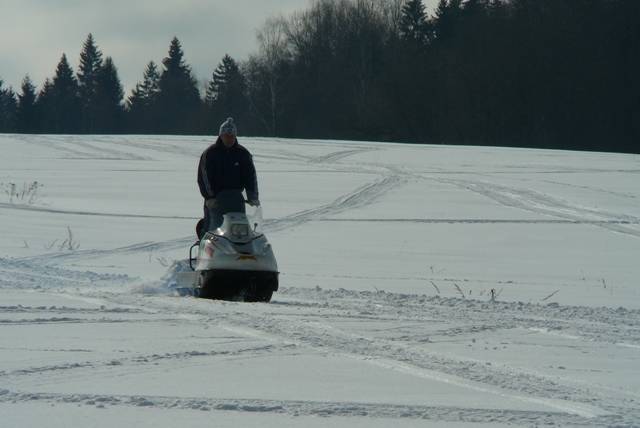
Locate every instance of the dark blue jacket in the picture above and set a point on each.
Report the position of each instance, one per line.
(223, 168)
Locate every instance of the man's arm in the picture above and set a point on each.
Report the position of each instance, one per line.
(251, 180)
(205, 185)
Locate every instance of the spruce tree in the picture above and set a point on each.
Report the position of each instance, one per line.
(109, 95)
(44, 103)
(65, 104)
(151, 84)
(475, 6)
(144, 94)
(88, 76)
(26, 120)
(179, 98)
(413, 23)
(226, 91)
(141, 104)
(3, 114)
(8, 108)
(446, 14)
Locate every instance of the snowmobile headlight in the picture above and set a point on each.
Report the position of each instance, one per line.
(240, 230)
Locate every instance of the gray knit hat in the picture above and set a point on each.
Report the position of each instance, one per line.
(229, 127)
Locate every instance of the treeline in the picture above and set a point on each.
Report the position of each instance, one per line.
(532, 73)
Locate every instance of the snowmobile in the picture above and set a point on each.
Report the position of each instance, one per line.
(234, 259)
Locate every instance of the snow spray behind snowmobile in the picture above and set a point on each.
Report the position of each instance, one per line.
(234, 259)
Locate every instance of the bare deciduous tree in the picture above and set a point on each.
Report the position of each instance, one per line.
(273, 52)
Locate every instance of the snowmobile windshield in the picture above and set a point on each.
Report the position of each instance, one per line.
(254, 215)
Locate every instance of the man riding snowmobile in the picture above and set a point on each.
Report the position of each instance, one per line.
(234, 260)
(226, 169)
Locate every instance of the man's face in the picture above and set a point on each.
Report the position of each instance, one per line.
(228, 139)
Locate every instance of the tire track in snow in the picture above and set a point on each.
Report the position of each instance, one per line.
(627, 195)
(563, 406)
(182, 148)
(342, 154)
(73, 145)
(307, 408)
(40, 209)
(281, 154)
(66, 310)
(593, 324)
(139, 360)
(477, 221)
(336, 156)
(327, 338)
(148, 246)
(412, 358)
(28, 274)
(540, 203)
(69, 320)
(103, 148)
(52, 142)
(585, 400)
(284, 155)
(362, 196)
(419, 362)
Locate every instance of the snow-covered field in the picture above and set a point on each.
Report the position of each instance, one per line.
(389, 254)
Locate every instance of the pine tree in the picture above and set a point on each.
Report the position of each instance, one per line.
(65, 104)
(26, 119)
(109, 95)
(88, 76)
(179, 98)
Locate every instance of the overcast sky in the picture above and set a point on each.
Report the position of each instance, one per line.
(35, 33)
